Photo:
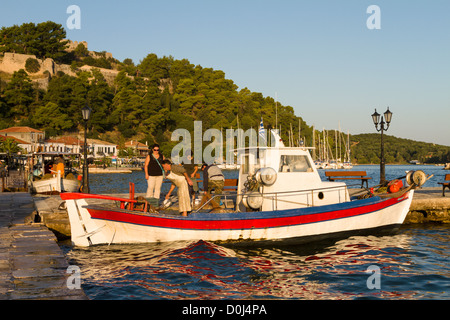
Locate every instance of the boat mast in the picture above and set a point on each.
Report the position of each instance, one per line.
(336, 144)
(299, 133)
(314, 143)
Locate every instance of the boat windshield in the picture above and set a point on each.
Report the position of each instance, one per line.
(295, 163)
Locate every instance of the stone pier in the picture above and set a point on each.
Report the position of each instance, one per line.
(32, 266)
(429, 205)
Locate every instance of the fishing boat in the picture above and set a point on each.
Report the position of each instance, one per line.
(279, 198)
(47, 179)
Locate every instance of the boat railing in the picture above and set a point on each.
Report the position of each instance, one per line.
(281, 196)
(210, 200)
(275, 197)
(309, 195)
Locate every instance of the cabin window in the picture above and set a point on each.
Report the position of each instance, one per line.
(295, 163)
(246, 164)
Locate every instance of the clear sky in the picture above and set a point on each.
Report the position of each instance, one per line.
(317, 56)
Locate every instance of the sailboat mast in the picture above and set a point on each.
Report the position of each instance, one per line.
(299, 133)
(314, 143)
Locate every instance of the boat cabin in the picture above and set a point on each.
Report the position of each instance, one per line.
(279, 178)
(42, 162)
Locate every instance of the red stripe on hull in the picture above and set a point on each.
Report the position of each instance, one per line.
(218, 224)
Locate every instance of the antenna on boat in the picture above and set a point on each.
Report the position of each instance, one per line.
(276, 110)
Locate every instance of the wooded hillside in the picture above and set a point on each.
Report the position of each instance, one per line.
(148, 100)
(366, 149)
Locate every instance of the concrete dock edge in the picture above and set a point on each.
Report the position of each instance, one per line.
(32, 265)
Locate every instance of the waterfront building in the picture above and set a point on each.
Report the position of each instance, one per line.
(140, 149)
(35, 138)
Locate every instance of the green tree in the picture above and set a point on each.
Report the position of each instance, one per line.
(155, 111)
(4, 110)
(81, 51)
(69, 93)
(45, 40)
(154, 68)
(50, 40)
(99, 98)
(52, 119)
(129, 67)
(32, 65)
(19, 94)
(127, 109)
(9, 145)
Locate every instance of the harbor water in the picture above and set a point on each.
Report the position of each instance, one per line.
(409, 264)
(118, 182)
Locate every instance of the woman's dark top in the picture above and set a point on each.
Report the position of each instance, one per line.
(153, 167)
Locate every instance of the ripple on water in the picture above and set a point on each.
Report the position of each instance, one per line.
(413, 265)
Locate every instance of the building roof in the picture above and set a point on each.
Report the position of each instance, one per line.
(20, 130)
(67, 140)
(136, 144)
(19, 141)
(96, 141)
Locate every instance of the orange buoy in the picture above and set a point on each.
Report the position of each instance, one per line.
(395, 186)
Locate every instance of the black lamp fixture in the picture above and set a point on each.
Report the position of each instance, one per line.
(379, 120)
(376, 118)
(86, 112)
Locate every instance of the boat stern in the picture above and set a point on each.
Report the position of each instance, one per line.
(84, 229)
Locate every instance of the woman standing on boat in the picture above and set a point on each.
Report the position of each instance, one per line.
(154, 172)
(179, 178)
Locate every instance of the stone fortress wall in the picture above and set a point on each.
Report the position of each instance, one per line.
(12, 62)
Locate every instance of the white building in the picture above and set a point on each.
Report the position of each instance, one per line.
(33, 140)
(64, 144)
(100, 149)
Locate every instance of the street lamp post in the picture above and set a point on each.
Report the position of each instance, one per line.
(376, 120)
(86, 112)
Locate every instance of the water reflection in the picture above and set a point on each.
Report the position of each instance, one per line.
(203, 270)
(335, 271)
(413, 263)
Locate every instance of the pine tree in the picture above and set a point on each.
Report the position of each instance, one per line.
(19, 94)
(52, 119)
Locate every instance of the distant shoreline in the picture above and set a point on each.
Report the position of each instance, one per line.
(113, 170)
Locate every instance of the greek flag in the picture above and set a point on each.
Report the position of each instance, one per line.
(262, 135)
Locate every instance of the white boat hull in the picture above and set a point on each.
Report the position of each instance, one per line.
(92, 225)
(55, 185)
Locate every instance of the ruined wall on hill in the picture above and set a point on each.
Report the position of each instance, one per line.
(12, 62)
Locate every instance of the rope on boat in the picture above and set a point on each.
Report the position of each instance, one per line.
(382, 189)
